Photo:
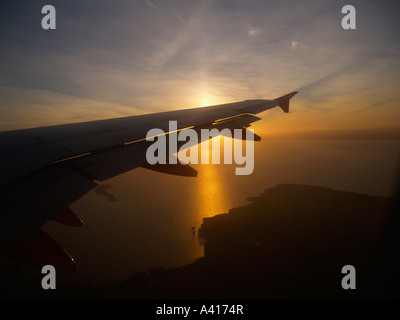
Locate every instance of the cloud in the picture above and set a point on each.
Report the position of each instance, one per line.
(25, 108)
(296, 45)
(150, 4)
(253, 32)
(129, 56)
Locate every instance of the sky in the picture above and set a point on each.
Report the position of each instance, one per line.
(110, 59)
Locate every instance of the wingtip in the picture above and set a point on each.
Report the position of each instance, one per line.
(283, 101)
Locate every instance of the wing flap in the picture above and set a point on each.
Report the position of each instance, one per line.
(105, 165)
(26, 206)
(39, 249)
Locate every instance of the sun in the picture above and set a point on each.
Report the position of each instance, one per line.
(205, 101)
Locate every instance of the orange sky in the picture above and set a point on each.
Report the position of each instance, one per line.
(150, 56)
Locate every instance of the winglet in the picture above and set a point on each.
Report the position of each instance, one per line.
(283, 101)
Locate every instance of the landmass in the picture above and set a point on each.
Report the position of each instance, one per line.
(290, 242)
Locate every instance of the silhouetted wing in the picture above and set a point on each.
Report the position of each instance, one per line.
(44, 170)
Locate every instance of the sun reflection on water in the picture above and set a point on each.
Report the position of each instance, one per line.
(210, 196)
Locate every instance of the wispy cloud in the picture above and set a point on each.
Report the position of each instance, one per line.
(134, 58)
(32, 108)
(296, 45)
(150, 4)
(253, 32)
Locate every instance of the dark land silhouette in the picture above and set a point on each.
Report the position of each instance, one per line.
(290, 242)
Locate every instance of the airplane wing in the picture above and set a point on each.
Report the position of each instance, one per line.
(44, 170)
